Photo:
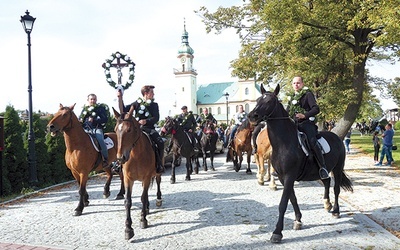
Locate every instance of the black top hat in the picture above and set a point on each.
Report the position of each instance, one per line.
(184, 107)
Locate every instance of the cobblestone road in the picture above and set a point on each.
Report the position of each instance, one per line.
(218, 209)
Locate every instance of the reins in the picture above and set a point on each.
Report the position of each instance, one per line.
(268, 117)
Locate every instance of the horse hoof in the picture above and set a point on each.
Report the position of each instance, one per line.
(187, 179)
(86, 203)
(159, 202)
(172, 181)
(248, 171)
(78, 213)
(119, 197)
(212, 168)
(276, 238)
(336, 215)
(273, 188)
(144, 224)
(106, 195)
(129, 234)
(196, 170)
(297, 225)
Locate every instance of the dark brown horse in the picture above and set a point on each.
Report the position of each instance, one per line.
(262, 156)
(208, 143)
(241, 144)
(291, 163)
(80, 156)
(136, 153)
(182, 146)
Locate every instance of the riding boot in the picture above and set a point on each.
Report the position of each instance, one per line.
(323, 172)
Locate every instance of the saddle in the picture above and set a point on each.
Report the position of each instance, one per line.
(321, 142)
(107, 140)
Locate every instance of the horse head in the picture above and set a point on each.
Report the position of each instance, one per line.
(128, 133)
(209, 128)
(265, 106)
(62, 120)
(170, 126)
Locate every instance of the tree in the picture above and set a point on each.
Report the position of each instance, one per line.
(327, 41)
(15, 170)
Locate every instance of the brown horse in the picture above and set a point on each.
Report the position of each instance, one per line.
(263, 154)
(80, 156)
(136, 153)
(241, 144)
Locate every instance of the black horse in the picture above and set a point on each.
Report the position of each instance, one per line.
(182, 146)
(291, 163)
(208, 143)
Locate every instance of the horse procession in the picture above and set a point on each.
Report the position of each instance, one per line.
(134, 152)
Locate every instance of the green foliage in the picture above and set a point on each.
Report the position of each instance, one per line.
(15, 167)
(327, 42)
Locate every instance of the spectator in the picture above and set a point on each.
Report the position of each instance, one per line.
(377, 146)
(387, 141)
(347, 141)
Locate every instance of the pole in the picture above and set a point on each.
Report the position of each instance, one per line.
(227, 118)
(31, 135)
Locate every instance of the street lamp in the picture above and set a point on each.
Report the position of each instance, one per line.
(227, 119)
(27, 23)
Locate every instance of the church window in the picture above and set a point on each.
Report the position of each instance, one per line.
(219, 110)
(247, 108)
(246, 91)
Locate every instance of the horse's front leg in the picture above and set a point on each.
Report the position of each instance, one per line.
(159, 197)
(121, 192)
(197, 164)
(260, 169)
(188, 168)
(287, 192)
(128, 204)
(106, 192)
(83, 198)
(248, 169)
(212, 159)
(173, 178)
(204, 160)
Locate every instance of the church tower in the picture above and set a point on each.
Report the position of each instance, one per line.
(185, 75)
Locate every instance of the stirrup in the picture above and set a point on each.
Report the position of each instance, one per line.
(323, 173)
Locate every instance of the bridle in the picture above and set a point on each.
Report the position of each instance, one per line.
(268, 117)
(137, 139)
(66, 128)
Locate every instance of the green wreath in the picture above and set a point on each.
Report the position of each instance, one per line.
(131, 66)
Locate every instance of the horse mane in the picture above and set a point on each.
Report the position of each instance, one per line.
(245, 125)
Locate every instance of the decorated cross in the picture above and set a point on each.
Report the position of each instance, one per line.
(122, 60)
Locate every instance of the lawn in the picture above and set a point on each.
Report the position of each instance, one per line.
(364, 143)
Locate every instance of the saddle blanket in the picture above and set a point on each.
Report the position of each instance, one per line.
(109, 143)
(323, 144)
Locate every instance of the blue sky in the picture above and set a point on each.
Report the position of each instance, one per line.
(72, 38)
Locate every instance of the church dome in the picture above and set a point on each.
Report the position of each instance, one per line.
(185, 47)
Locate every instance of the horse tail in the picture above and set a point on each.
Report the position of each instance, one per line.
(345, 183)
(228, 155)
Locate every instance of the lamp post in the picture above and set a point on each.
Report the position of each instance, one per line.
(227, 119)
(27, 23)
